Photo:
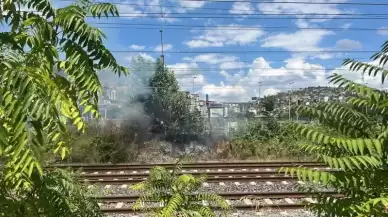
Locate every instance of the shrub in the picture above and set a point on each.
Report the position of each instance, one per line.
(177, 194)
(351, 138)
(55, 193)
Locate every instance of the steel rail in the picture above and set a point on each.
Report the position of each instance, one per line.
(229, 196)
(208, 174)
(283, 206)
(119, 167)
(208, 179)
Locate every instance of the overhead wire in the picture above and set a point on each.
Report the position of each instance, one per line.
(247, 51)
(293, 2)
(210, 27)
(135, 15)
(222, 9)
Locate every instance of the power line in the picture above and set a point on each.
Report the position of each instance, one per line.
(293, 2)
(261, 14)
(222, 9)
(136, 15)
(237, 28)
(250, 51)
(229, 16)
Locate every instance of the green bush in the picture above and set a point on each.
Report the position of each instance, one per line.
(352, 139)
(265, 139)
(177, 194)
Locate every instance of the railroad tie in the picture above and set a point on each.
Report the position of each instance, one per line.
(310, 200)
(119, 205)
(289, 200)
(268, 201)
(247, 201)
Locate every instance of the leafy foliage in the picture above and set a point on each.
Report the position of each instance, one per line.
(55, 193)
(40, 91)
(268, 104)
(351, 138)
(171, 109)
(176, 194)
(267, 138)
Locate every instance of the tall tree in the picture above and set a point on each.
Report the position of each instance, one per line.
(352, 139)
(170, 107)
(36, 102)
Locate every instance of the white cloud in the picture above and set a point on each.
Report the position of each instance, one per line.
(273, 79)
(346, 25)
(383, 30)
(303, 40)
(232, 65)
(188, 5)
(225, 61)
(130, 11)
(300, 41)
(185, 73)
(244, 8)
(137, 47)
(166, 47)
(347, 44)
(144, 55)
(229, 35)
(224, 92)
(303, 10)
(211, 58)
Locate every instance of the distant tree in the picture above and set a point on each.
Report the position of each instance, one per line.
(268, 103)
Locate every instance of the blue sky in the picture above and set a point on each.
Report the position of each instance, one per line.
(230, 55)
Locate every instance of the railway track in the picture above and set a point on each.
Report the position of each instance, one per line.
(238, 200)
(260, 180)
(188, 166)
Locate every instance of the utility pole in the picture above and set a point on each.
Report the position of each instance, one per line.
(194, 77)
(161, 44)
(161, 32)
(258, 99)
(289, 101)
